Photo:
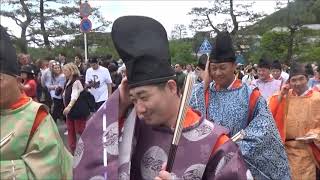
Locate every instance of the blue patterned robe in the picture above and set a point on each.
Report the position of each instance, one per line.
(262, 147)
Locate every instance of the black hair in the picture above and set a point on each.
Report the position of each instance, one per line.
(162, 85)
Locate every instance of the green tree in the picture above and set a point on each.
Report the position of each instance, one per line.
(274, 44)
(64, 20)
(310, 53)
(181, 51)
(23, 13)
(237, 15)
(43, 21)
(179, 31)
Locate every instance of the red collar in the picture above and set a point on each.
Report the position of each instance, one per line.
(24, 99)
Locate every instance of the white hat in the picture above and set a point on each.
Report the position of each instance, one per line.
(122, 68)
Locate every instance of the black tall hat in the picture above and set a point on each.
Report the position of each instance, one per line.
(202, 61)
(276, 65)
(264, 63)
(297, 69)
(309, 69)
(143, 46)
(8, 57)
(223, 49)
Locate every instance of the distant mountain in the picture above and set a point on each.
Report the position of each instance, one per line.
(300, 12)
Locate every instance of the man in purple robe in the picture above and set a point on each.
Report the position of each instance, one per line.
(123, 144)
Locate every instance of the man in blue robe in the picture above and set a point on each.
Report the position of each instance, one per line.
(234, 105)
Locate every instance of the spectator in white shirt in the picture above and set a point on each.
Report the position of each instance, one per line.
(98, 81)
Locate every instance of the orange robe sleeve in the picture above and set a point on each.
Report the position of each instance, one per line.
(316, 153)
(221, 140)
(278, 112)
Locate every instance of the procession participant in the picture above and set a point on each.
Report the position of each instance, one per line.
(200, 68)
(295, 121)
(31, 147)
(234, 105)
(266, 84)
(151, 86)
(276, 72)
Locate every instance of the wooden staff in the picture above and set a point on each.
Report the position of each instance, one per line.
(6, 139)
(188, 83)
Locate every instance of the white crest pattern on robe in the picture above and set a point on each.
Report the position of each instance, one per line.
(200, 132)
(152, 161)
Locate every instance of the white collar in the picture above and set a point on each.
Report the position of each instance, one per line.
(306, 92)
(230, 86)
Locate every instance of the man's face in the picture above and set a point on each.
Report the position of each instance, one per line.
(222, 73)
(264, 74)
(177, 68)
(94, 66)
(62, 58)
(24, 59)
(152, 104)
(299, 83)
(189, 68)
(276, 73)
(9, 85)
(45, 64)
(77, 59)
(199, 72)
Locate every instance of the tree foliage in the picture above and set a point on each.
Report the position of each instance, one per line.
(43, 21)
(179, 31)
(236, 15)
(274, 45)
(181, 51)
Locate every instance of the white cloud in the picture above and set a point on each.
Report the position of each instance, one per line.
(168, 13)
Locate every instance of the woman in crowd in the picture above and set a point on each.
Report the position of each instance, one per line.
(55, 87)
(29, 84)
(76, 105)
